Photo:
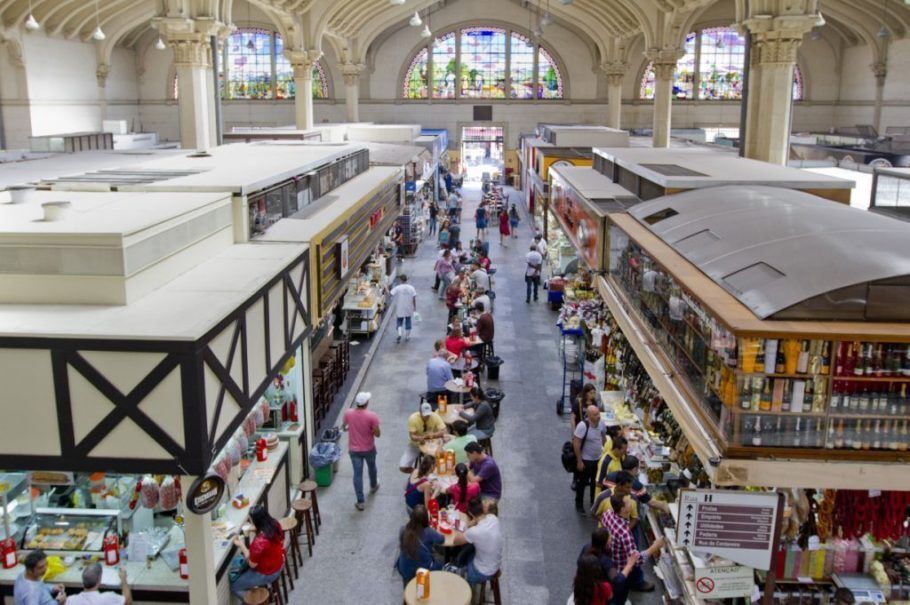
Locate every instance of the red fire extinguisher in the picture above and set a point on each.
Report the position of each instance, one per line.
(8, 552)
(184, 565)
(293, 411)
(111, 549)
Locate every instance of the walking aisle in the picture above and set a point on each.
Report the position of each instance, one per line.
(356, 551)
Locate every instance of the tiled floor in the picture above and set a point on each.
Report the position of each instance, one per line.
(355, 551)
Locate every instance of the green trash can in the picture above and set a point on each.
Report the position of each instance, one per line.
(324, 476)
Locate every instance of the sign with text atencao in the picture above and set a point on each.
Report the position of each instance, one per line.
(738, 526)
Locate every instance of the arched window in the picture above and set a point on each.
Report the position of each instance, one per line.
(483, 62)
(254, 67)
(713, 65)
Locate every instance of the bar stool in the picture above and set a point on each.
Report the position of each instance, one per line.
(289, 527)
(303, 511)
(494, 589)
(256, 596)
(309, 487)
(285, 577)
(275, 592)
(487, 444)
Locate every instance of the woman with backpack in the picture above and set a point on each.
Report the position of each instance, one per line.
(416, 541)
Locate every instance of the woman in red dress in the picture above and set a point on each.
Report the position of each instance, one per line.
(504, 230)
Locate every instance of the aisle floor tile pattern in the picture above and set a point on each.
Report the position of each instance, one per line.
(355, 551)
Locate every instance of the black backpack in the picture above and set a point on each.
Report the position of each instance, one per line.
(569, 461)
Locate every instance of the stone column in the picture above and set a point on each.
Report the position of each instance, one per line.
(616, 73)
(302, 63)
(775, 41)
(880, 69)
(664, 64)
(101, 73)
(351, 73)
(191, 58)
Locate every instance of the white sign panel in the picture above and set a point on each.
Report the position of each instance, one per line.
(738, 526)
(728, 582)
(343, 262)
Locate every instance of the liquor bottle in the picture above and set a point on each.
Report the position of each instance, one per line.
(868, 359)
(745, 400)
(829, 443)
(848, 434)
(756, 394)
(780, 363)
(859, 368)
(902, 400)
(849, 361)
(760, 357)
(877, 436)
(892, 361)
(902, 442)
(802, 362)
(839, 438)
(858, 435)
(853, 400)
(826, 358)
(841, 357)
(878, 368)
(796, 433)
(836, 398)
(864, 399)
(808, 395)
(878, 403)
(765, 403)
(867, 434)
(905, 364)
(892, 400)
(787, 395)
(777, 393)
(756, 432)
(891, 433)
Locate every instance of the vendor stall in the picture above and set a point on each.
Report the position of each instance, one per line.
(650, 172)
(180, 369)
(539, 177)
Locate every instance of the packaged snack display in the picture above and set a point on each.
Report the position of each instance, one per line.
(148, 492)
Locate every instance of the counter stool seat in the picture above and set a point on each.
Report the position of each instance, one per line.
(494, 589)
(256, 596)
(303, 512)
(289, 526)
(309, 487)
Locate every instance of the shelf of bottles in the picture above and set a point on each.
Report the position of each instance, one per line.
(771, 392)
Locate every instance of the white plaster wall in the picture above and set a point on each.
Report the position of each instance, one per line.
(13, 101)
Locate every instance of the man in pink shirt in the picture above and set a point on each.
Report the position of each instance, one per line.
(363, 428)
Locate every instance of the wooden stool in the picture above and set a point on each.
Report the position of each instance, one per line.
(286, 579)
(303, 511)
(275, 592)
(289, 527)
(256, 596)
(309, 487)
(487, 444)
(494, 589)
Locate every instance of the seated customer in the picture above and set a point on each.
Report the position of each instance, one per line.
(482, 562)
(600, 548)
(462, 438)
(464, 490)
(485, 471)
(415, 542)
(422, 426)
(456, 343)
(265, 556)
(419, 489)
(439, 371)
(91, 593)
(482, 417)
(485, 324)
(30, 589)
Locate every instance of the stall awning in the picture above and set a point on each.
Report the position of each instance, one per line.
(785, 254)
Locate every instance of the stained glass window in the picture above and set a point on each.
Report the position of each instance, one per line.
(249, 64)
(284, 73)
(483, 63)
(549, 80)
(471, 63)
(445, 67)
(415, 81)
(522, 67)
(720, 70)
(719, 53)
(320, 81)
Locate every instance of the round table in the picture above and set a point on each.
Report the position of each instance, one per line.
(431, 447)
(445, 589)
(452, 413)
(454, 387)
(450, 538)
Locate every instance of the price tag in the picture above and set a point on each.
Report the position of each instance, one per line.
(875, 493)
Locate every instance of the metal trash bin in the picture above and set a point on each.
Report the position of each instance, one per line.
(495, 397)
(492, 363)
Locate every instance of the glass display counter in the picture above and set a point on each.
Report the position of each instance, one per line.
(768, 392)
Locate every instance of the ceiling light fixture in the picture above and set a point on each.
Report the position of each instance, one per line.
(883, 31)
(31, 24)
(98, 34)
(416, 21)
(396, 2)
(566, 2)
(547, 19)
(426, 33)
(160, 45)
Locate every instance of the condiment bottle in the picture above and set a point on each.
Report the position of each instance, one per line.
(423, 584)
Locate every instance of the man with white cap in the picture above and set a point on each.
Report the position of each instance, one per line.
(363, 428)
(422, 426)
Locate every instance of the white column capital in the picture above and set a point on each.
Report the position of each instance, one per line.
(101, 74)
(615, 71)
(352, 72)
(775, 39)
(663, 61)
(302, 61)
(880, 71)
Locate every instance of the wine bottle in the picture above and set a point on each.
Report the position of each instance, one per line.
(848, 434)
(802, 362)
(852, 400)
(756, 394)
(745, 400)
(867, 434)
(829, 443)
(902, 443)
(786, 398)
(863, 362)
(877, 436)
(796, 433)
(780, 363)
(857, 435)
(765, 403)
(760, 357)
(864, 399)
(849, 361)
(756, 432)
(905, 365)
(839, 437)
(836, 397)
(777, 437)
(826, 358)
(841, 357)
(891, 433)
(877, 362)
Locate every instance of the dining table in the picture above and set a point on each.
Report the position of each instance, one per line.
(446, 588)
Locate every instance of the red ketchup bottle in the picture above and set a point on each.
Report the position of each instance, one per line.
(184, 565)
(111, 549)
(261, 451)
(293, 410)
(8, 553)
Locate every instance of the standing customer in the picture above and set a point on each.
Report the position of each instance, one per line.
(485, 472)
(91, 593)
(445, 270)
(513, 220)
(622, 544)
(434, 213)
(504, 230)
(265, 556)
(405, 306)
(588, 442)
(363, 428)
(532, 274)
(480, 219)
(30, 589)
(589, 586)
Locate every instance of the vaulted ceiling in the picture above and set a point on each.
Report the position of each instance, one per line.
(352, 26)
